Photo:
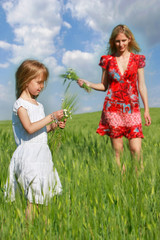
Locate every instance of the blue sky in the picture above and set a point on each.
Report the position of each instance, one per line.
(71, 33)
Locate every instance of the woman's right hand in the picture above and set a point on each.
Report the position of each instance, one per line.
(81, 82)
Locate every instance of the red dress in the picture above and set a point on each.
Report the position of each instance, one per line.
(121, 112)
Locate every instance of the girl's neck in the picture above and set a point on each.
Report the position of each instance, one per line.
(27, 96)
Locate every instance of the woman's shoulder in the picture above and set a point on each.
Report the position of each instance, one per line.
(139, 59)
(104, 60)
(138, 56)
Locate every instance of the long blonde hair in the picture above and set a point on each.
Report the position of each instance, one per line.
(27, 71)
(132, 46)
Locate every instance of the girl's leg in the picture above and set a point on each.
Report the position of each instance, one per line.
(29, 211)
(117, 144)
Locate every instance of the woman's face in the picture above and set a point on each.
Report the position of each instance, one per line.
(121, 43)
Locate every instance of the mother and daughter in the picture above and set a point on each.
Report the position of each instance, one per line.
(31, 165)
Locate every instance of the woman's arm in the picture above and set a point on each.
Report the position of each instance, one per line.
(143, 92)
(96, 86)
(34, 127)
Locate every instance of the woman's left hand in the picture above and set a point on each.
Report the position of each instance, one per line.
(147, 118)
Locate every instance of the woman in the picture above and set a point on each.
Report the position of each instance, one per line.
(122, 77)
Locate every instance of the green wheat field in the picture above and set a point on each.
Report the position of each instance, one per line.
(97, 202)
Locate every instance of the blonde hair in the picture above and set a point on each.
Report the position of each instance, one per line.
(27, 71)
(132, 46)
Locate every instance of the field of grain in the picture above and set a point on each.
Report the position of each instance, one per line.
(97, 202)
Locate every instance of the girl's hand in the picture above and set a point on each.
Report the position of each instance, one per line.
(53, 126)
(58, 114)
(59, 124)
(147, 119)
(62, 124)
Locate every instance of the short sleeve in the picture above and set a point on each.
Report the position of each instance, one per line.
(142, 61)
(19, 103)
(104, 61)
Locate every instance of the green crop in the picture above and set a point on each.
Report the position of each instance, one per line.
(97, 202)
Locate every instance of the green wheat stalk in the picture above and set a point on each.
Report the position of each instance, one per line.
(71, 76)
(69, 106)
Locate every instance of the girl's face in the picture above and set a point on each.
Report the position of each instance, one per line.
(121, 42)
(36, 85)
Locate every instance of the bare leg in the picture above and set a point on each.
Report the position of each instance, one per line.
(29, 211)
(117, 144)
(135, 149)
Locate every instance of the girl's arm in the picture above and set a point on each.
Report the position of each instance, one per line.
(143, 92)
(96, 86)
(34, 127)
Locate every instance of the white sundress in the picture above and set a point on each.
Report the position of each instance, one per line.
(31, 164)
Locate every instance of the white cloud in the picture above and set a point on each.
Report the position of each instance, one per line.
(23, 12)
(96, 13)
(35, 25)
(146, 20)
(40, 32)
(102, 16)
(67, 25)
(83, 63)
(72, 56)
(5, 45)
(4, 65)
(55, 69)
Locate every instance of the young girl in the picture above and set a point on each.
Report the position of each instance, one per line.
(31, 166)
(122, 71)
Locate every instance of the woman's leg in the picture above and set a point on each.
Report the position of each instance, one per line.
(135, 149)
(117, 144)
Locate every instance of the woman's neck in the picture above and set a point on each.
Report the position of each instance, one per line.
(122, 54)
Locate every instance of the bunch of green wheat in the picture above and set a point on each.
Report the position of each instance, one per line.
(71, 76)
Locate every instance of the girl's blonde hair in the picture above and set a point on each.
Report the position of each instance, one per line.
(132, 46)
(27, 71)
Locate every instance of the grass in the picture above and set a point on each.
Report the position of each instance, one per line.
(97, 201)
